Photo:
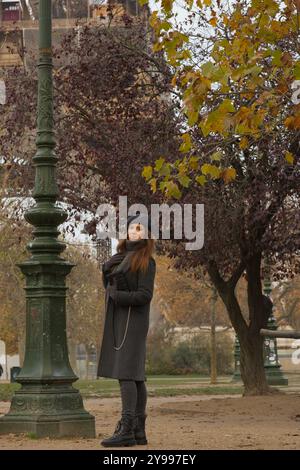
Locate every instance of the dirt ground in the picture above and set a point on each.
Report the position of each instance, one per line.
(191, 422)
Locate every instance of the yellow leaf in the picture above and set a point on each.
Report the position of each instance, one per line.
(147, 172)
(165, 170)
(159, 163)
(194, 163)
(244, 143)
(187, 143)
(297, 122)
(229, 174)
(154, 20)
(212, 170)
(225, 19)
(165, 25)
(216, 156)
(201, 180)
(173, 190)
(289, 157)
(227, 106)
(190, 3)
(192, 117)
(292, 122)
(213, 21)
(158, 46)
(174, 81)
(184, 180)
(205, 127)
(167, 5)
(152, 183)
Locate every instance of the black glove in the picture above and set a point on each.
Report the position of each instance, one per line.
(115, 259)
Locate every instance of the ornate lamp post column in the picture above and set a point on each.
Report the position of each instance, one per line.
(47, 404)
(272, 366)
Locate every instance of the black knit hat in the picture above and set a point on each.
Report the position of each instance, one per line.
(143, 220)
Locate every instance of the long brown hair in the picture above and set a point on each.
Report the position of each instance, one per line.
(141, 257)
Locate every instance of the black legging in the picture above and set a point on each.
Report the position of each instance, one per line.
(134, 397)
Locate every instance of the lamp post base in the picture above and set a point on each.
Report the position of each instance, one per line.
(275, 376)
(236, 377)
(47, 413)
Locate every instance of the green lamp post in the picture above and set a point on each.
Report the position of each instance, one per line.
(47, 404)
(237, 359)
(271, 362)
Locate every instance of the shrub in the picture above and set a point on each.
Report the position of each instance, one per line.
(190, 356)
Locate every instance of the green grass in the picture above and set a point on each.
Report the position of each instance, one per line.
(172, 392)
(7, 390)
(31, 435)
(158, 386)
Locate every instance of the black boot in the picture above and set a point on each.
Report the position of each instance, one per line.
(139, 429)
(123, 435)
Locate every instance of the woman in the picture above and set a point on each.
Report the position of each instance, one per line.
(128, 277)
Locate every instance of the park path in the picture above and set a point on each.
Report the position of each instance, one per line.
(192, 422)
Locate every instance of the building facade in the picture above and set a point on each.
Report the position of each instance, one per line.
(19, 23)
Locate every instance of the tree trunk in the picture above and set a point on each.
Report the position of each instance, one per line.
(213, 348)
(252, 357)
(251, 345)
(252, 364)
(87, 358)
(251, 348)
(247, 329)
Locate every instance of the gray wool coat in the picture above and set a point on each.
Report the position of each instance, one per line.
(129, 361)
